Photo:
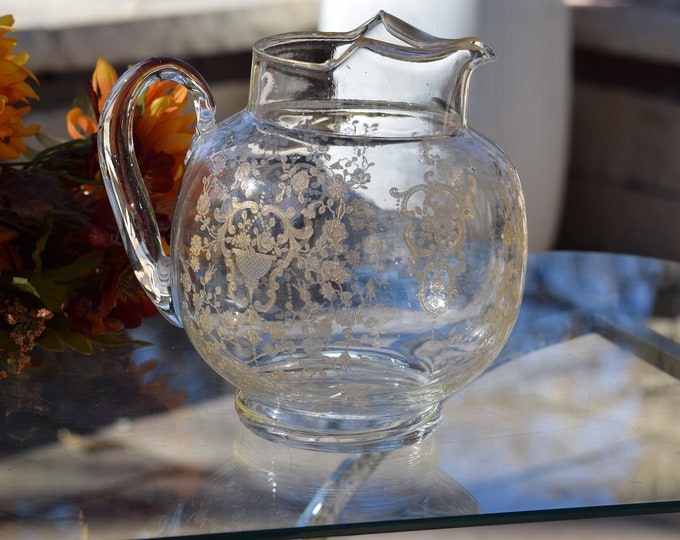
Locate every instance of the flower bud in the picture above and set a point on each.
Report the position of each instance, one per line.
(99, 236)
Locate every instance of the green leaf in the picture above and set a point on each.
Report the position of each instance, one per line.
(55, 341)
(58, 161)
(50, 341)
(48, 140)
(53, 295)
(111, 340)
(77, 342)
(77, 268)
(83, 101)
(40, 246)
(23, 284)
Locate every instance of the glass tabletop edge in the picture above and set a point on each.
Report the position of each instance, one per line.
(448, 522)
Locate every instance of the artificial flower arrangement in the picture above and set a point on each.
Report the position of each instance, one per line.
(65, 280)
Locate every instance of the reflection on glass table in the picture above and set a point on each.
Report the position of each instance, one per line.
(576, 418)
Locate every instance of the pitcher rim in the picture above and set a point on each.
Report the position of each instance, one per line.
(415, 46)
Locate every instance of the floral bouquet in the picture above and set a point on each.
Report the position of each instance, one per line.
(65, 280)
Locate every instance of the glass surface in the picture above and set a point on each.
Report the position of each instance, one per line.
(576, 418)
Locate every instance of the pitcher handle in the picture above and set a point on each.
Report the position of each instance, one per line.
(122, 177)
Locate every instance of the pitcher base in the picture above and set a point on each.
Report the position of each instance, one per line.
(334, 433)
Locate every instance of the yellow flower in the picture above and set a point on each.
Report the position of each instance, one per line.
(14, 90)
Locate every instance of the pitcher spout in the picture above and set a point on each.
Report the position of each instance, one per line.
(385, 29)
(460, 57)
(383, 60)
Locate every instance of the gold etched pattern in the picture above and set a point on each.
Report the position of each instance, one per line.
(275, 271)
(305, 262)
(434, 233)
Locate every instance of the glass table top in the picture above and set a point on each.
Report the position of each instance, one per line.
(576, 418)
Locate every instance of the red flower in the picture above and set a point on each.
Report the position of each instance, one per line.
(123, 301)
(10, 259)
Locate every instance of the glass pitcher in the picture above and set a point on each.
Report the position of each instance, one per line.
(345, 251)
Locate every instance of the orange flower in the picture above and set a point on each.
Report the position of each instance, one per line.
(103, 79)
(80, 125)
(78, 122)
(163, 129)
(164, 126)
(12, 129)
(163, 134)
(14, 89)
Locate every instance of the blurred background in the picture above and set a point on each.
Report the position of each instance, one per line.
(584, 96)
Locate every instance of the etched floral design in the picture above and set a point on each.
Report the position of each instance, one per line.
(435, 230)
(297, 269)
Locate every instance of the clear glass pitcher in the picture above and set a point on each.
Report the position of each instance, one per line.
(346, 250)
